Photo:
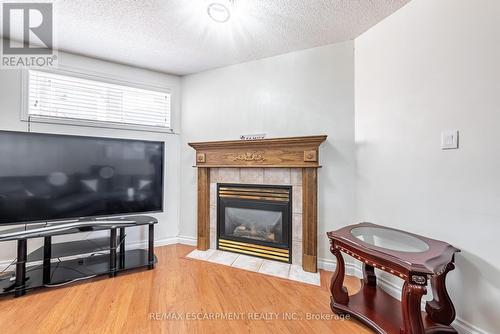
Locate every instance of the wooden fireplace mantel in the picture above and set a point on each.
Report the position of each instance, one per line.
(291, 152)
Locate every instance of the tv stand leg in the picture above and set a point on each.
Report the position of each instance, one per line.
(151, 248)
(112, 253)
(20, 289)
(47, 255)
(122, 247)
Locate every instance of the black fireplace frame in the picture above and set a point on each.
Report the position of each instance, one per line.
(261, 204)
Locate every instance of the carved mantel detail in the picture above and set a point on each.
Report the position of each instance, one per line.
(249, 156)
(292, 152)
(200, 157)
(311, 156)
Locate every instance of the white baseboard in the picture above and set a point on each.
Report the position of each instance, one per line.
(166, 241)
(191, 241)
(4, 264)
(464, 327)
(329, 265)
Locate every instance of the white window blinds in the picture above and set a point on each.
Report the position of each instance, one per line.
(72, 98)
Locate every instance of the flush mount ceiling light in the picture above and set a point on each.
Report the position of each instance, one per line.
(219, 12)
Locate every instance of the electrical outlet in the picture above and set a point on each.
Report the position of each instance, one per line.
(449, 140)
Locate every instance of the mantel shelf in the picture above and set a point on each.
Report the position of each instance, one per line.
(291, 152)
(287, 141)
(257, 166)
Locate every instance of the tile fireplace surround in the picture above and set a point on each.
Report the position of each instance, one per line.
(261, 176)
(281, 161)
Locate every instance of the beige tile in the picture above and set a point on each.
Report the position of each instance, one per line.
(298, 274)
(275, 268)
(296, 176)
(213, 194)
(277, 176)
(213, 238)
(248, 263)
(297, 199)
(229, 175)
(297, 252)
(201, 255)
(284, 270)
(221, 257)
(252, 175)
(296, 227)
(214, 175)
(213, 217)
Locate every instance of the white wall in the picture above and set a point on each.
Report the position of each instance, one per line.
(433, 66)
(302, 93)
(10, 119)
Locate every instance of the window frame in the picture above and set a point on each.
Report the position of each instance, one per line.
(77, 73)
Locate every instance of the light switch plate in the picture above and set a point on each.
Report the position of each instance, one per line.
(449, 140)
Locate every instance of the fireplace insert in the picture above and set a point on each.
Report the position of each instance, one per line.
(255, 220)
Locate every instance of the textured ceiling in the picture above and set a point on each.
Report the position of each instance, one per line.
(177, 36)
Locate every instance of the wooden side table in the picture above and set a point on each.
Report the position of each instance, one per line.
(414, 259)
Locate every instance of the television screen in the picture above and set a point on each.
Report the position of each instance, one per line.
(46, 177)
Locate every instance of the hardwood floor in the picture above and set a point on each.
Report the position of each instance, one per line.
(181, 287)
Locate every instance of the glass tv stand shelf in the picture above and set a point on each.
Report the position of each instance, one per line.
(414, 259)
(86, 258)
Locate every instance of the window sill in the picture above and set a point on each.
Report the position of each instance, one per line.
(96, 124)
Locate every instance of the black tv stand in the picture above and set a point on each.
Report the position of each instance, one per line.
(105, 256)
(86, 228)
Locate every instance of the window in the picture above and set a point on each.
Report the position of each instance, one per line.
(72, 99)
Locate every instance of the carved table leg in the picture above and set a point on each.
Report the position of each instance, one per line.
(369, 275)
(339, 292)
(410, 303)
(441, 309)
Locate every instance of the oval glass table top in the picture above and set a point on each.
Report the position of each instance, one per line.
(390, 239)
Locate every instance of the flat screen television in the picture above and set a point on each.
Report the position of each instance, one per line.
(46, 177)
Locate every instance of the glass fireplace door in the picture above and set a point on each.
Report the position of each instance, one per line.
(253, 222)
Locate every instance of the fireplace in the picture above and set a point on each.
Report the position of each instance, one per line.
(233, 158)
(255, 220)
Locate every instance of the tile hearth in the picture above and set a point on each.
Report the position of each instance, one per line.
(267, 267)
